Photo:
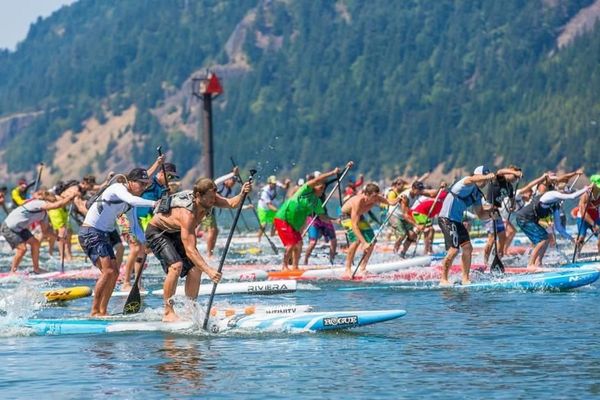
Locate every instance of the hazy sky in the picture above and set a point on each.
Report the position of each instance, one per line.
(17, 15)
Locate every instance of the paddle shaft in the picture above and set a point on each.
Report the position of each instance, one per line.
(374, 241)
(260, 227)
(341, 196)
(64, 240)
(337, 184)
(38, 179)
(224, 254)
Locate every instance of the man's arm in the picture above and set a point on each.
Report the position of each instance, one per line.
(479, 178)
(188, 238)
(154, 167)
(233, 202)
(59, 203)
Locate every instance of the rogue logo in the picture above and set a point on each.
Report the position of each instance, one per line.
(341, 321)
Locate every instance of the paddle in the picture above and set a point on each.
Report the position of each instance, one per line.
(38, 179)
(497, 265)
(262, 229)
(64, 240)
(374, 241)
(337, 184)
(225, 250)
(339, 188)
(133, 304)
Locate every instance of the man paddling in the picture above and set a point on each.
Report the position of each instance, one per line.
(462, 195)
(171, 237)
(540, 207)
(588, 216)
(15, 227)
(100, 220)
(292, 215)
(360, 234)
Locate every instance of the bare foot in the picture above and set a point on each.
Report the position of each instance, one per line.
(126, 287)
(170, 317)
(361, 272)
(466, 282)
(40, 271)
(285, 268)
(444, 282)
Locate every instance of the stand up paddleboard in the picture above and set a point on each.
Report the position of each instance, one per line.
(259, 287)
(308, 321)
(558, 280)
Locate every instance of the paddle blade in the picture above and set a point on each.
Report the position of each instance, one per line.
(134, 301)
(497, 265)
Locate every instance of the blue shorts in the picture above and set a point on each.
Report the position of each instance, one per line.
(534, 231)
(95, 243)
(583, 226)
(499, 226)
(321, 228)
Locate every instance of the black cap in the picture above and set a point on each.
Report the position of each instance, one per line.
(171, 170)
(139, 175)
(418, 185)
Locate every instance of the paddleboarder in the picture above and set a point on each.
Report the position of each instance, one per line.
(94, 235)
(461, 195)
(359, 231)
(171, 237)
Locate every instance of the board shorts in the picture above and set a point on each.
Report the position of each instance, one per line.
(58, 218)
(534, 231)
(321, 228)
(265, 215)
(455, 233)
(499, 226)
(14, 238)
(168, 249)
(288, 235)
(422, 219)
(400, 225)
(583, 226)
(363, 226)
(95, 243)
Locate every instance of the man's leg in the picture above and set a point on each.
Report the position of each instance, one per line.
(311, 245)
(20, 251)
(107, 274)
(211, 239)
(192, 283)
(35, 255)
(113, 276)
(487, 250)
(332, 249)
(296, 251)
(350, 257)
(169, 289)
(467, 253)
(134, 248)
(446, 264)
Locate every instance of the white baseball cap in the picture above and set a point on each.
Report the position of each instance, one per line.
(481, 170)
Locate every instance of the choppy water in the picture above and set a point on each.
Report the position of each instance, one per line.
(449, 345)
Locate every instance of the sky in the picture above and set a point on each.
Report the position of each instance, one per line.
(17, 15)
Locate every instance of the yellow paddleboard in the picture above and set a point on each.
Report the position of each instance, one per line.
(251, 250)
(72, 293)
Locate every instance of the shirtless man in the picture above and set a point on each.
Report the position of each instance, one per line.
(171, 237)
(358, 229)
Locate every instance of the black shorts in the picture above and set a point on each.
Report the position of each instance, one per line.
(15, 238)
(114, 238)
(168, 248)
(455, 233)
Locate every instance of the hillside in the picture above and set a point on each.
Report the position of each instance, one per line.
(397, 86)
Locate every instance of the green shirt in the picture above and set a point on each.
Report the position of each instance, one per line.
(297, 208)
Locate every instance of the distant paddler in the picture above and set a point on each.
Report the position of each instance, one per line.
(359, 231)
(171, 237)
(94, 235)
(293, 213)
(461, 195)
(15, 227)
(268, 204)
(589, 218)
(543, 206)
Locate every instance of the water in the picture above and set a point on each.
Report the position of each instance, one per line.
(451, 344)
